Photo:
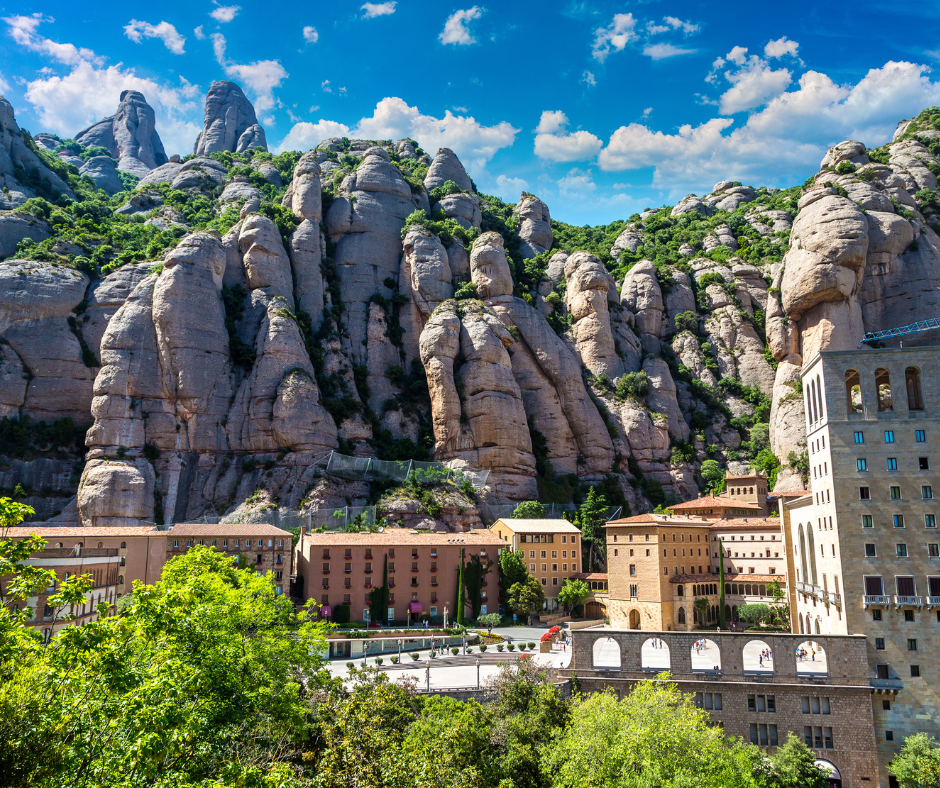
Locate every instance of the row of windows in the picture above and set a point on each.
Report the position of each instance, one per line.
(564, 554)
(868, 521)
(390, 552)
(883, 392)
(904, 586)
(920, 436)
(564, 568)
(347, 567)
(933, 550)
(225, 543)
(923, 464)
(545, 539)
(811, 704)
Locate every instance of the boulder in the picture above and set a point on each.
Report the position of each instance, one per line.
(14, 227)
(642, 295)
(850, 151)
(230, 122)
(690, 204)
(199, 173)
(489, 268)
(628, 239)
(165, 173)
(130, 135)
(535, 225)
(425, 280)
(447, 167)
(116, 493)
(586, 298)
(463, 209)
(102, 171)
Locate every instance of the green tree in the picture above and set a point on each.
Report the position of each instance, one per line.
(722, 619)
(378, 597)
(489, 620)
(701, 606)
(918, 765)
(654, 736)
(461, 592)
(794, 766)
(572, 593)
(712, 474)
(758, 613)
(687, 321)
(512, 568)
(531, 510)
(593, 515)
(525, 597)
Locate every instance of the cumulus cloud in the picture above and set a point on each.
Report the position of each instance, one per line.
(261, 77)
(589, 79)
(325, 86)
(198, 32)
(785, 140)
(225, 13)
(662, 51)
(510, 188)
(780, 47)
(136, 31)
(393, 118)
(670, 24)
(553, 144)
(614, 37)
(311, 36)
(4, 85)
(753, 81)
(577, 183)
(23, 30)
(373, 10)
(456, 28)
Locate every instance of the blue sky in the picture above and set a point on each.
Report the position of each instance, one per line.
(600, 108)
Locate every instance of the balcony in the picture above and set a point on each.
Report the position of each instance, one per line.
(878, 601)
(834, 599)
(933, 601)
(908, 601)
(368, 584)
(415, 569)
(326, 571)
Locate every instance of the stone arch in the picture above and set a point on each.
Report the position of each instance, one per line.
(654, 655)
(757, 657)
(817, 627)
(706, 656)
(853, 391)
(734, 613)
(811, 658)
(915, 391)
(634, 619)
(606, 654)
(727, 613)
(883, 390)
(801, 623)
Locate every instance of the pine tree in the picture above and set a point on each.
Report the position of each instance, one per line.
(593, 516)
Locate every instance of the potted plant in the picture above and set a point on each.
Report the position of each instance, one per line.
(394, 660)
(379, 660)
(414, 656)
(499, 646)
(350, 665)
(511, 646)
(455, 651)
(531, 645)
(483, 648)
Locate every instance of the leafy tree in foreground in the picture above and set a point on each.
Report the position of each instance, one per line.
(572, 593)
(794, 766)
(489, 620)
(593, 515)
(918, 765)
(531, 510)
(653, 736)
(512, 568)
(525, 597)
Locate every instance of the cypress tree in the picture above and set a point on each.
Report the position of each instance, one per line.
(722, 621)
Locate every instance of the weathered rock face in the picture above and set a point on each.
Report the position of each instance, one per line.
(643, 297)
(230, 123)
(535, 225)
(476, 403)
(489, 268)
(14, 227)
(586, 297)
(446, 167)
(130, 135)
(102, 171)
(15, 155)
(425, 280)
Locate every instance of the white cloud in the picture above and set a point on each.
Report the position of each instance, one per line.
(200, 35)
(577, 183)
(392, 118)
(677, 24)
(662, 51)
(588, 78)
(510, 188)
(753, 83)
(304, 136)
(4, 85)
(553, 144)
(456, 30)
(373, 10)
(311, 36)
(647, 112)
(325, 86)
(23, 30)
(261, 77)
(737, 55)
(614, 37)
(136, 31)
(783, 142)
(780, 47)
(225, 13)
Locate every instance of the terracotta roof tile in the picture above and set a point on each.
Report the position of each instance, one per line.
(650, 518)
(226, 529)
(520, 525)
(87, 532)
(729, 577)
(716, 501)
(748, 522)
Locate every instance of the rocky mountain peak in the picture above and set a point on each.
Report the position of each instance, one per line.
(230, 122)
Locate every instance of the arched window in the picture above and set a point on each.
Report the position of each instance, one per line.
(853, 391)
(801, 623)
(915, 396)
(822, 398)
(805, 576)
(120, 580)
(811, 545)
(817, 626)
(123, 560)
(883, 388)
(123, 545)
(813, 413)
(681, 616)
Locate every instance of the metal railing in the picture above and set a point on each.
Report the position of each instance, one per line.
(933, 601)
(909, 601)
(879, 600)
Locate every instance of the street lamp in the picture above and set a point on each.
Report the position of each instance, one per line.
(399, 650)
(478, 673)
(464, 639)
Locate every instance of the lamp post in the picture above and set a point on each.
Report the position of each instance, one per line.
(478, 673)
(400, 641)
(464, 640)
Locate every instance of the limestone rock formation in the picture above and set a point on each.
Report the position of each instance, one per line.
(14, 227)
(425, 280)
(642, 295)
(102, 171)
(130, 135)
(230, 122)
(535, 225)
(16, 157)
(586, 298)
(446, 167)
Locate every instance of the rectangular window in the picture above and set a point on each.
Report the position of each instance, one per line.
(874, 586)
(902, 550)
(899, 521)
(905, 586)
(879, 644)
(869, 551)
(923, 463)
(892, 463)
(867, 521)
(912, 644)
(930, 520)
(861, 464)
(632, 570)
(554, 581)
(933, 550)
(915, 671)
(920, 436)
(633, 588)
(543, 554)
(864, 494)
(926, 491)
(859, 437)
(895, 493)
(889, 436)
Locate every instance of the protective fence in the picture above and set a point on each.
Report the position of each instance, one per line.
(357, 468)
(491, 512)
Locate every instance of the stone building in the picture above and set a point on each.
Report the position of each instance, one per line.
(659, 565)
(342, 569)
(552, 549)
(826, 701)
(101, 564)
(264, 547)
(864, 541)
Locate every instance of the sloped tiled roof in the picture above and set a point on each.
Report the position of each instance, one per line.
(226, 529)
(520, 525)
(395, 537)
